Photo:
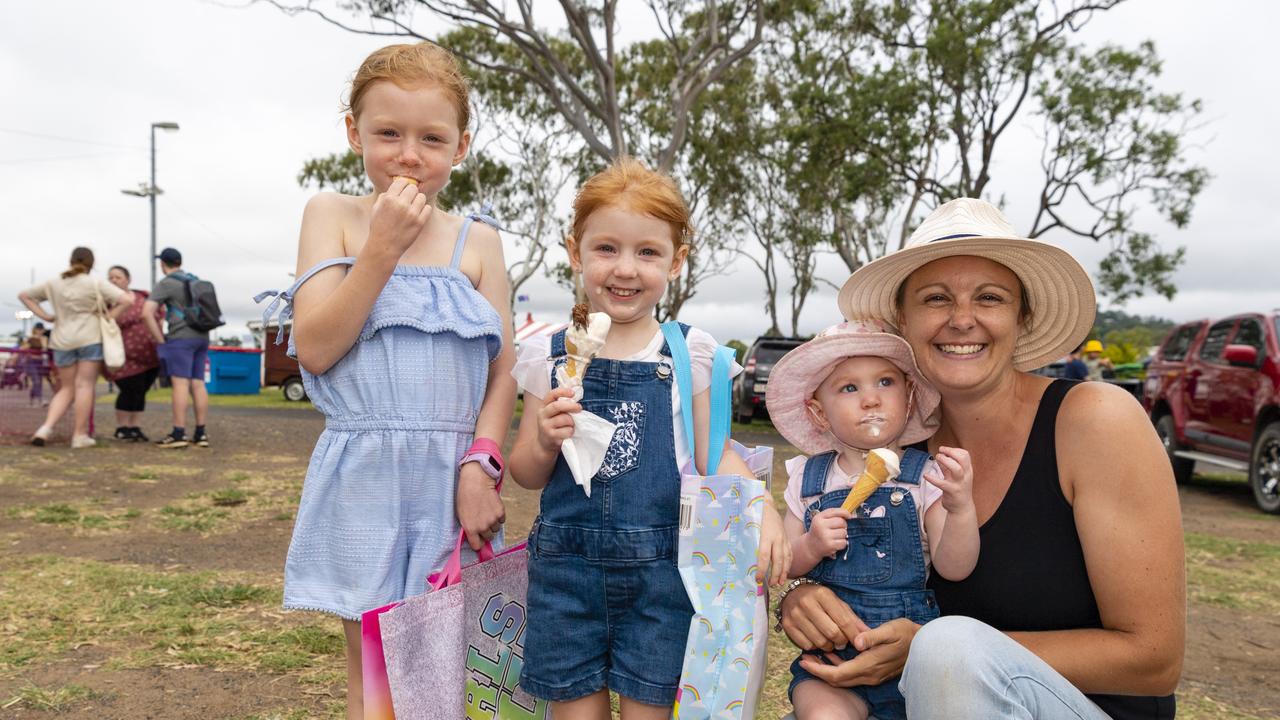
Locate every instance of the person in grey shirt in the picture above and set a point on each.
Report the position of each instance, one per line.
(183, 351)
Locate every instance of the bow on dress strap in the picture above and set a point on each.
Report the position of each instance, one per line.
(485, 215)
(283, 299)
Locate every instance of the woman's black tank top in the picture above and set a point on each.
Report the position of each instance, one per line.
(1031, 573)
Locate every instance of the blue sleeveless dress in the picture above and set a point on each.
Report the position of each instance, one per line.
(377, 512)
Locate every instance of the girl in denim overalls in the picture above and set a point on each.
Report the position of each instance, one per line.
(607, 610)
(853, 388)
(402, 328)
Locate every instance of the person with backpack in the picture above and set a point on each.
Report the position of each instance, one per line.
(191, 311)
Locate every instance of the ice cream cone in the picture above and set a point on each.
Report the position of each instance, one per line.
(583, 340)
(881, 466)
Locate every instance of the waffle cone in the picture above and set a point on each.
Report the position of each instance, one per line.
(873, 476)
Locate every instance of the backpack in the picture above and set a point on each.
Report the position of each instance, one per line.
(201, 313)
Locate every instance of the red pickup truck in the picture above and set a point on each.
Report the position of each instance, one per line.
(1213, 392)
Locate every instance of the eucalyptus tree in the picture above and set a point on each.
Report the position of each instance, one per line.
(905, 104)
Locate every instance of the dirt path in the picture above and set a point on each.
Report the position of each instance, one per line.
(226, 512)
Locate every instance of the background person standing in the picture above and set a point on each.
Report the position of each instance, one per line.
(141, 366)
(1100, 367)
(1076, 368)
(76, 339)
(183, 350)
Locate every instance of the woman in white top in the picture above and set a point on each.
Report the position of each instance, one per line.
(76, 340)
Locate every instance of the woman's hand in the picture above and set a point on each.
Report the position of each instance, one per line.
(774, 557)
(398, 216)
(816, 619)
(882, 653)
(555, 418)
(479, 508)
(35, 307)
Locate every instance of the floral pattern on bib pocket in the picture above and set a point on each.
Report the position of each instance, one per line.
(624, 449)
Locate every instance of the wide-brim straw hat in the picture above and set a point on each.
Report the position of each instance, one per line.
(1058, 289)
(796, 377)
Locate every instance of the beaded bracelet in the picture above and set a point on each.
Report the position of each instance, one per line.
(777, 611)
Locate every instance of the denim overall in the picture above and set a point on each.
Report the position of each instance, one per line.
(606, 604)
(881, 574)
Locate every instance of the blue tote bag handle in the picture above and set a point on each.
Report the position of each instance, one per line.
(721, 389)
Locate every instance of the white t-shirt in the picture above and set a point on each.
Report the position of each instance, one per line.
(533, 373)
(923, 495)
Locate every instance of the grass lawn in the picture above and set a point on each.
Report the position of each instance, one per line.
(109, 589)
(266, 398)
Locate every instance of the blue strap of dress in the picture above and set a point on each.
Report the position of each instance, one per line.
(484, 217)
(283, 301)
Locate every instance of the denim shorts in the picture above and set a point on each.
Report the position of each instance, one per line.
(86, 353)
(184, 357)
(597, 623)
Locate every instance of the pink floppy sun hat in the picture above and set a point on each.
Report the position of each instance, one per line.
(796, 377)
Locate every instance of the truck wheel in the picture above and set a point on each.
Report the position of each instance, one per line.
(1182, 467)
(1264, 470)
(743, 418)
(294, 390)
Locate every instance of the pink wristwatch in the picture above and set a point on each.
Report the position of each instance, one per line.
(488, 454)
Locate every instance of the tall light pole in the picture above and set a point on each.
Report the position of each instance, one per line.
(151, 191)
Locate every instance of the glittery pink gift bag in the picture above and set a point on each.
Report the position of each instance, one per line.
(461, 644)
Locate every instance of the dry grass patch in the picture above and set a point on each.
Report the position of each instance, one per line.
(1233, 573)
(258, 459)
(50, 605)
(161, 471)
(1193, 705)
(82, 519)
(248, 497)
(58, 699)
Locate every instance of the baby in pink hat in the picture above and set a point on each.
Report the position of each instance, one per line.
(852, 390)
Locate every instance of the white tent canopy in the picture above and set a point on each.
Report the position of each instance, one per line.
(533, 328)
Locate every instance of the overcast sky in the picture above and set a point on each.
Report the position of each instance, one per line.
(257, 93)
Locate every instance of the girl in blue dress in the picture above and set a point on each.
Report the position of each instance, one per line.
(607, 609)
(402, 329)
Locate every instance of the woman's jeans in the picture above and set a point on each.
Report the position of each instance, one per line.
(963, 669)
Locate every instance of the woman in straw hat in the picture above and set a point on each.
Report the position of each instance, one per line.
(1077, 605)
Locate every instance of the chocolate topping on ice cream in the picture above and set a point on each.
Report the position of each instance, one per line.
(579, 315)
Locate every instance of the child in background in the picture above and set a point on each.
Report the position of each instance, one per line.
(36, 367)
(852, 389)
(403, 332)
(607, 609)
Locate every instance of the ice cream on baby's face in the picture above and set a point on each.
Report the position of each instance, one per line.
(864, 402)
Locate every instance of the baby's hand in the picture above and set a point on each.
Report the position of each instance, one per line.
(555, 418)
(774, 558)
(956, 481)
(829, 531)
(399, 215)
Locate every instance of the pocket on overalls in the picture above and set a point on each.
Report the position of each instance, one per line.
(866, 560)
(623, 454)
